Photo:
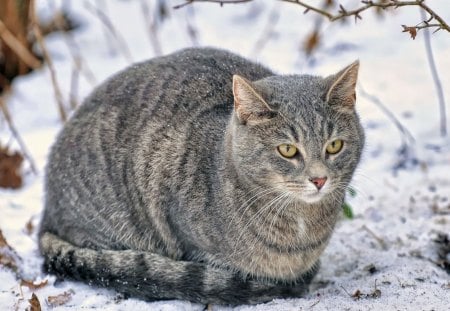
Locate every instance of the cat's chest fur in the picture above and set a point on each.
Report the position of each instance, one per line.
(288, 247)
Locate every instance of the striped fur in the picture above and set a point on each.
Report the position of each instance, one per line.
(157, 188)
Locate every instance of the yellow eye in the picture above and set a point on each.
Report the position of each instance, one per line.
(335, 146)
(287, 151)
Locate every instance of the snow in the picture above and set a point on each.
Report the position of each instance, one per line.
(398, 213)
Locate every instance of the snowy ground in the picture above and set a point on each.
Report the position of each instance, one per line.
(385, 258)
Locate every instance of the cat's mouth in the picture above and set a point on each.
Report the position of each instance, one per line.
(306, 192)
(313, 197)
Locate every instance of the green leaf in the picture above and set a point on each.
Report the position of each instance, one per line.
(348, 212)
(351, 191)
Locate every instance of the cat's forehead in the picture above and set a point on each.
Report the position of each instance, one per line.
(294, 93)
(299, 98)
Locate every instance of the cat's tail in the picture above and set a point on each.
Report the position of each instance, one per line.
(151, 276)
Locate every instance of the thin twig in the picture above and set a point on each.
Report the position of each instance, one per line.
(439, 19)
(78, 63)
(268, 31)
(110, 27)
(106, 33)
(73, 95)
(152, 28)
(377, 238)
(73, 47)
(15, 45)
(190, 27)
(78, 59)
(350, 295)
(436, 79)
(40, 39)
(314, 304)
(368, 4)
(406, 134)
(221, 2)
(356, 13)
(59, 21)
(15, 133)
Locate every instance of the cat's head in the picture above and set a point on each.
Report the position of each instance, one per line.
(299, 134)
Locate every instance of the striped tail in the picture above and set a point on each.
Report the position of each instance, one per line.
(150, 276)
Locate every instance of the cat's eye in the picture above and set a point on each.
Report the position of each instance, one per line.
(335, 146)
(287, 150)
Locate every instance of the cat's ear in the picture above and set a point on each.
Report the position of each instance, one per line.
(249, 106)
(341, 88)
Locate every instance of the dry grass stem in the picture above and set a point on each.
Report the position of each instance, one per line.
(436, 79)
(190, 27)
(40, 40)
(78, 60)
(376, 237)
(15, 133)
(122, 45)
(407, 137)
(73, 96)
(268, 31)
(18, 48)
(152, 28)
(73, 48)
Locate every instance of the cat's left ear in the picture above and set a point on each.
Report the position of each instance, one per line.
(341, 88)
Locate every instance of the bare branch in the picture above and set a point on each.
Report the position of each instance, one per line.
(433, 14)
(221, 2)
(368, 4)
(343, 13)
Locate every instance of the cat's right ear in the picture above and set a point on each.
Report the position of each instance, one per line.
(249, 106)
(341, 88)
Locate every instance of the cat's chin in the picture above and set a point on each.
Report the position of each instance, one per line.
(310, 198)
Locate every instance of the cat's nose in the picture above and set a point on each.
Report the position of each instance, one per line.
(318, 182)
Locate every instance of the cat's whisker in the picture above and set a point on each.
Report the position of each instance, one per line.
(248, 204)
(257, 216)
(287, 199)
(249, 201)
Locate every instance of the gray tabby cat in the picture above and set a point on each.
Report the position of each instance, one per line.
(201, 176)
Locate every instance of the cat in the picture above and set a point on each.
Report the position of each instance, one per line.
(201, 176)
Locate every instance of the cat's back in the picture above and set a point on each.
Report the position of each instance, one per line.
(134, 129)
(171, 91)
(194, 74)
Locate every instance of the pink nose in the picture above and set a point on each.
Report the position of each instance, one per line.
(318, 182)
